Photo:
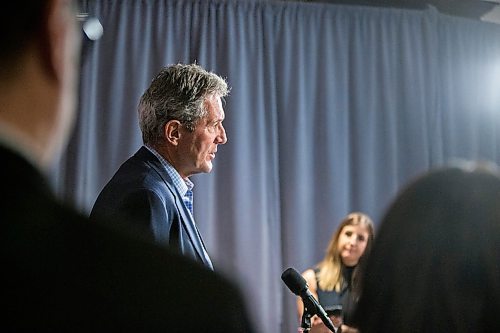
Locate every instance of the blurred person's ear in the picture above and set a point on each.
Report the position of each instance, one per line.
(55, 27)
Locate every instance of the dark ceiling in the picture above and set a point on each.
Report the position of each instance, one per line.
(473, 9)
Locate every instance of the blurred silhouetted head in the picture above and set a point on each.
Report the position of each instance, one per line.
(434, 266)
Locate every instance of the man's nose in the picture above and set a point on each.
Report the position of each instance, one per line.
(222, 137)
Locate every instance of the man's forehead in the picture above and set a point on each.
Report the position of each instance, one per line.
(215, 109)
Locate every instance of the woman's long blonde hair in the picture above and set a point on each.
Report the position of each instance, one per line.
(330, 268)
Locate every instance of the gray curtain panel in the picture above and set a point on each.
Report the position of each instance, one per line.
(333, 108)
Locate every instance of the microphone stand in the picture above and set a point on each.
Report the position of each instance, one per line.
(305, 323)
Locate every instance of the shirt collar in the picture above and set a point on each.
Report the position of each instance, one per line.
(182, 185)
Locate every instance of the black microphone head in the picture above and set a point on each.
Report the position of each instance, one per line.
(294, 281)
(298, 285)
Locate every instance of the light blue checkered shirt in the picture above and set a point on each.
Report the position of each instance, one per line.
(184, 186)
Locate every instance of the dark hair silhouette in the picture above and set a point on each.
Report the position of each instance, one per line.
(435, 264)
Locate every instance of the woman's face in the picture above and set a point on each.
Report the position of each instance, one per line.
(352, 243)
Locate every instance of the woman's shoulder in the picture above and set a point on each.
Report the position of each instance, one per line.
(310, 276)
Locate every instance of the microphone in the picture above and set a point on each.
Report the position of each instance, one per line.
(298, 285)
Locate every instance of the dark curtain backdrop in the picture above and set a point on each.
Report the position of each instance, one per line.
(333, 108)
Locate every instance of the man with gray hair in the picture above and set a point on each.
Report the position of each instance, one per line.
(60, 272)
(180, 116)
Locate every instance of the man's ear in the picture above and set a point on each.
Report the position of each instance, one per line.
(52, 38)
(172, 132)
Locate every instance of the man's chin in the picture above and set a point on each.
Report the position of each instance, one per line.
(206, 168)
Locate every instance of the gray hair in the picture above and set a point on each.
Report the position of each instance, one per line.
(178, 92)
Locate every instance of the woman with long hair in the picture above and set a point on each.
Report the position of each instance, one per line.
(335, 280)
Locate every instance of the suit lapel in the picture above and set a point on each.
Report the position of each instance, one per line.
(186, 218)
(191, 228)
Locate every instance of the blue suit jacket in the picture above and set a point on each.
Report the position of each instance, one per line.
(142, 191)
